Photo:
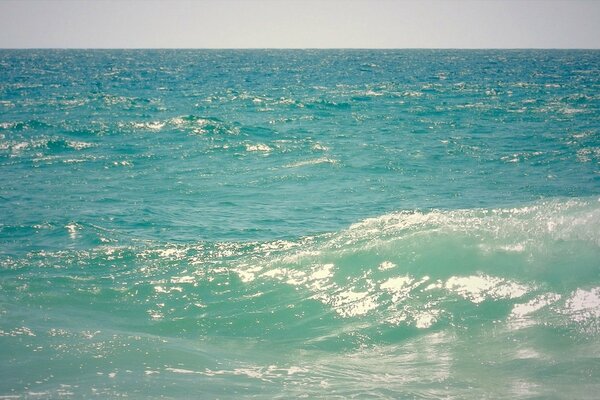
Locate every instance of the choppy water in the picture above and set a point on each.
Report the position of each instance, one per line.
(277, 224)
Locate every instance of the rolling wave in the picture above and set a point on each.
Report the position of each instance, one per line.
(416, 289)
(424, 270)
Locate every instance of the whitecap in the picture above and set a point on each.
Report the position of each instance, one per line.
(478, 288)
(259, 147)
(322, 160)
(79, 145)
(583, 304)
(399, 287)
(181, 371)
(426, 319)
(384, 266)
(350, 303)
(319, 147)
(524, 309)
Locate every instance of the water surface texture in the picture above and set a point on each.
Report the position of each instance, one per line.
(278, 224)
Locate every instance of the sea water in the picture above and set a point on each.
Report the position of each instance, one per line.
(283, 224)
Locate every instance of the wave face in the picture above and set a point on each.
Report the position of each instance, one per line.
(281, 224)
(472, 303)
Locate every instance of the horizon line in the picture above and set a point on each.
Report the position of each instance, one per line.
(299, 48)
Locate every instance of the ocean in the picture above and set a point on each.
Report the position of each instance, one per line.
(225, 224)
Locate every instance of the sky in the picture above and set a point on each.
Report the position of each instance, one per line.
(299, 24)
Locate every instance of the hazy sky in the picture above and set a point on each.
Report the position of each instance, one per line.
(300, 24)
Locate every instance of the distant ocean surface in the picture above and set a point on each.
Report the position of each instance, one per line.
(283, 224)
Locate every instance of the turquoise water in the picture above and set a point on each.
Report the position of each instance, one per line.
(279, 224)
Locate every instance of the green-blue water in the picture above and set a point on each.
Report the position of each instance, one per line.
(279, 224)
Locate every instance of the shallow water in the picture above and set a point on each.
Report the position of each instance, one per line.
(276, 224)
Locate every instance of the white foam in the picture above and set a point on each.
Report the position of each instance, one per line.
(350, 303)
(39, 394)
(182, 371)
(525, 354)
(384, 266)
(162, 289)
(259, 372)
(259, 147)
(509, 248)
(319, 147)
(178, 121)
(584, 304)
(426, 319)
(155, 315)
(151, 372)
(569, 111)
(322, 272)
(183, 279)
(172, 253)
(17, 147)
(315, 161)
(372, 93)
(477, 288)
(435, 285)
(155, 126)
(294, 370)
(586, 155)
(22, 331)
(79, 145)
(315, 279)
(513, 248)
(525, 309)
(521, 314)
(247, 273)
(399, 287)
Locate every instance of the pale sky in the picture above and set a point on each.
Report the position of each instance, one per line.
(300, 24)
